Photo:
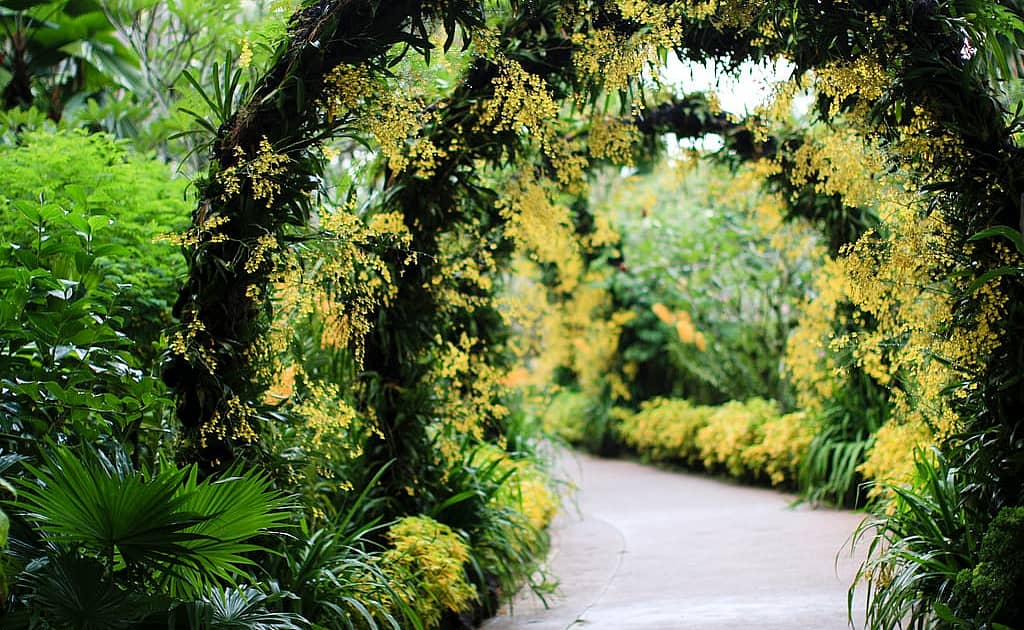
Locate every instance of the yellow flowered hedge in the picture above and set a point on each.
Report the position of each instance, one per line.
(425, 565)
(745, 439)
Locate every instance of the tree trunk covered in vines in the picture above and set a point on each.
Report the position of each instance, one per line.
(222, 306)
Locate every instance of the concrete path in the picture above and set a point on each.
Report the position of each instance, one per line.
(645, 549)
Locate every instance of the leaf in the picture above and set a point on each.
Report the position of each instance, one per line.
(75, 592)
(167, 524)
(992, 274)
(944, 612)
(5, 528)
(1002, 230)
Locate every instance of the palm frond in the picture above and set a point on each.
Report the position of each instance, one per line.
(168, 525)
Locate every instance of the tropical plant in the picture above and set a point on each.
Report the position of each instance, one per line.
(918, 547)
(100, 542)
(54, 52)
(79, 274)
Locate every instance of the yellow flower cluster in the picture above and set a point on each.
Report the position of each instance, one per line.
(745, 438)
(840, 162)
(899, 279)
(731, 430)
(265, 246)
(231, 422)
(890, 461)
(345, 89)
(467, 389)
(526, 489)
(345, 287)
(613, 59)
(613, 139)
(466, 271)
(260, 172)
(521, 102)
(811, 368)
(665, 429)
(395, 122)
(193, 344)
(245, 55)
(542, 228)
(393, 114)
(683, 324)
(782, 445)
(903, 278)
(924, 144)
(203, 231)
(602, 234)
(426, 566)
(864, 78)
(327, 421)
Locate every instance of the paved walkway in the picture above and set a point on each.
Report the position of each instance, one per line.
(645, 549)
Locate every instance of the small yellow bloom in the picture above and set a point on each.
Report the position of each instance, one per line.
(662, 312)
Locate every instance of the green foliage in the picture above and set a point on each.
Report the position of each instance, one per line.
(54, 52)
(332, 581)
(705, 245)
(164, 528)
(77, 345)
(125, 200)
(330, 571)
(992, 592)
(570, 416)
(241, 609)
(919, 547)
(85, 291)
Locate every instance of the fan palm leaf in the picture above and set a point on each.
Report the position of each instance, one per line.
(184, 533)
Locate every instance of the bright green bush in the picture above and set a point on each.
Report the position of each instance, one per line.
(117, 203)
(84, 290)
(569, 416)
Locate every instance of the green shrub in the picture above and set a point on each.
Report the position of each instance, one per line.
(919, 547)
(84, 290)
(119, 201)
(569, 416)
(993, 591)
(102, 544)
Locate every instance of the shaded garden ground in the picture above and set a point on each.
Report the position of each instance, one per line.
(638, 547)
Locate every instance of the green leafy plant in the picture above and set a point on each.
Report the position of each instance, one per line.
(918, 548)
(85, 291)
(242, 608)
(161, 533)
(56, 51)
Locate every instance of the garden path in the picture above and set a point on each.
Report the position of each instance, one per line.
(640, 548)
